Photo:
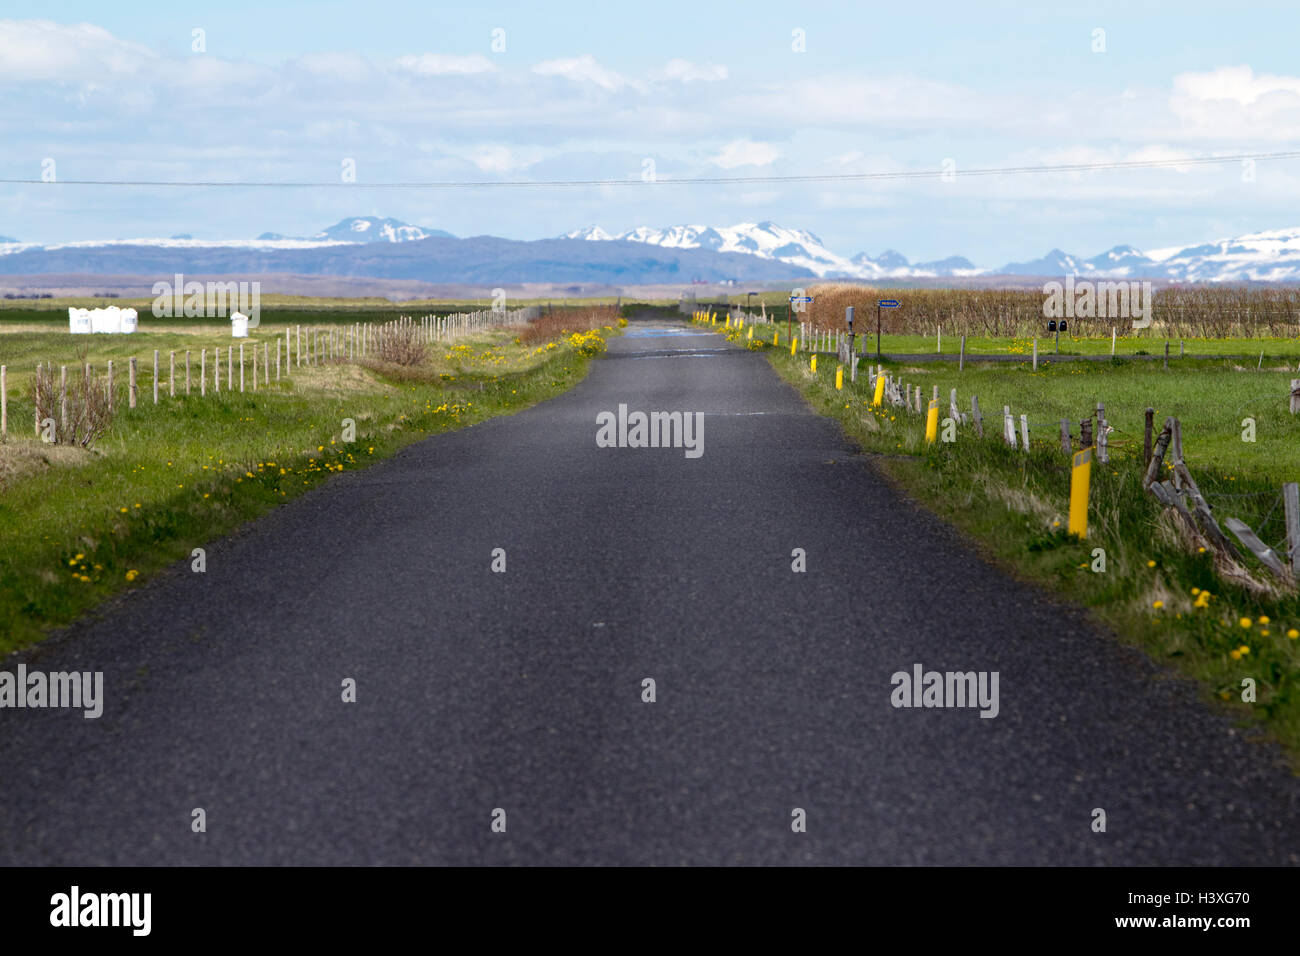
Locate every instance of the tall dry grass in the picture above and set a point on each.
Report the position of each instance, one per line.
(1177, 311)
(552, 325)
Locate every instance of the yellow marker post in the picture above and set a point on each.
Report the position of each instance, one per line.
(775, 338)
(813, 364)
(1080, 476)
(839, 377)
(750, 333)
(932, 421)
(880, 391)
(794, 344)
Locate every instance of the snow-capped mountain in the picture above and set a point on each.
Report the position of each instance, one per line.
(1272, 256)
(765, 240)
(374, 229)
(796, 247)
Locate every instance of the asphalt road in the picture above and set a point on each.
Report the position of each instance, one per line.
(523, 690)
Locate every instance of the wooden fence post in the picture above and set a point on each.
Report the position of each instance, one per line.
(131, 384)
(1024, 432)
(171, 375)
(1035, 355)
(1295, 396)
(961, 358)
(976, 417)
(110, 383)
(63, 399)
(4, 400)
(254, 366)
(187, 371)
(1146, 440)
(230, 368)
(203, 372)
(1065, 437)
(1291, 505)
(155, 376)
(241, 366)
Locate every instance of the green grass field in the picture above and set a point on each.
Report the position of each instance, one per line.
(79, 525)
(1155, 591)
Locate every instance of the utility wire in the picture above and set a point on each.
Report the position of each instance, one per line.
(684, 181)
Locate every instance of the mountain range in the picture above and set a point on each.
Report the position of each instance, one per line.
(373, 247)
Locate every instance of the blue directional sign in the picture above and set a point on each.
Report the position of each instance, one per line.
(801, 298)
(888, 303)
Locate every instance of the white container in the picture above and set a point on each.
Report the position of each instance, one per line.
(79, 321)
(127, 320)
(105, 321)
(238, 325)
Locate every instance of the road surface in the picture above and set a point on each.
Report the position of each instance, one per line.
(523, 691)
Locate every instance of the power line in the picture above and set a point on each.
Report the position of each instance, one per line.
(687, 180)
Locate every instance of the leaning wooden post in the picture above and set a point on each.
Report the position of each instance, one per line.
(1291, 505)
(1146, 439)
(131, 384)
(110, 383)
(976, 417)
(961, 358)
(155, 376)
(1065, 436)
(63, 400)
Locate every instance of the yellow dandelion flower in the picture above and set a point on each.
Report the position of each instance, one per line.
(1244, 622)
(1158, 604)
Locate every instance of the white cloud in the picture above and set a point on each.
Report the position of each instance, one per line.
(503, 159)
(1238, 84)
(582, 69)
(744, 152)
(39, 50)
(441, 64)
(686, 71)
(1233, 103)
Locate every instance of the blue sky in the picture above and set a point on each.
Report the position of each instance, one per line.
(288, 91)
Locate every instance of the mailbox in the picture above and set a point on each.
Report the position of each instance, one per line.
(1051, 325)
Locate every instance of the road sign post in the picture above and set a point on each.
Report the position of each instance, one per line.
(848, 317)
(882, 304)
(789, 328)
